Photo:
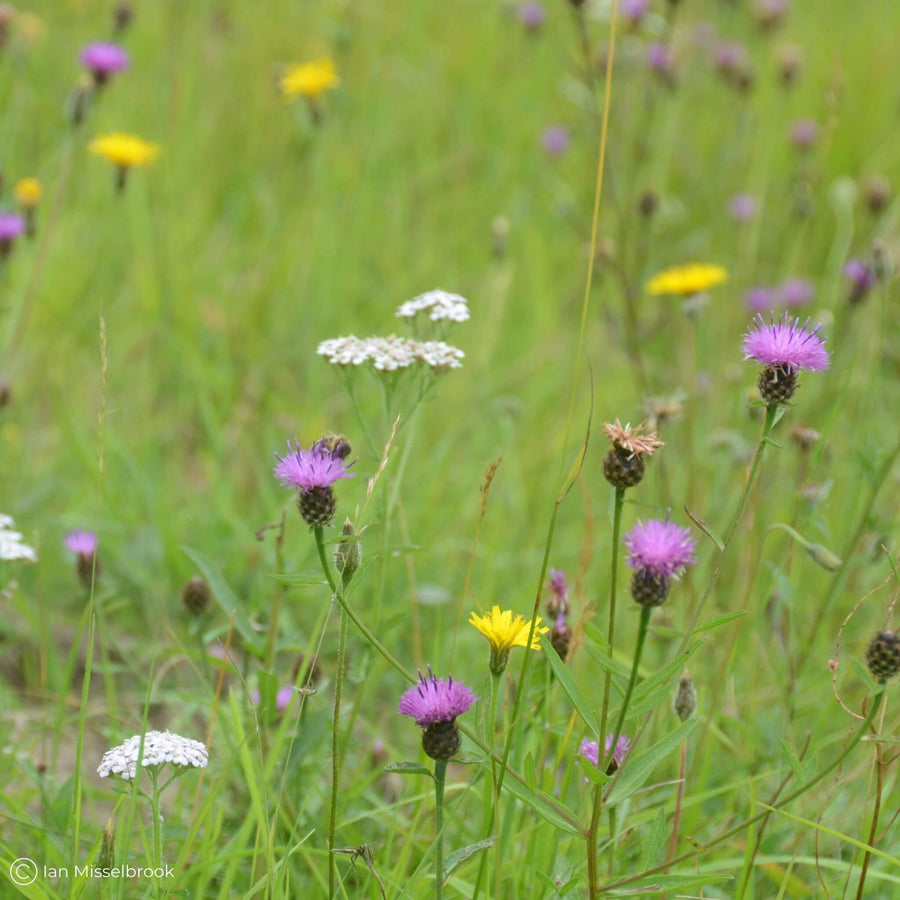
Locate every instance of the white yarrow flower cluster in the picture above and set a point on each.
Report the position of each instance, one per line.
(438, 304)
(160, 748)
(11, 544)
(388, 354)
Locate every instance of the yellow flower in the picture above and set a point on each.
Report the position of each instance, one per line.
(310, 79)
(28, 192)
(124, 150)
(686, 280)
(505, 631)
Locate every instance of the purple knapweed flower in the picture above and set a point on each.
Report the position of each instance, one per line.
(742, 207)
(795, 292)
(317, 467)
(104, 60)
(282, 698)
(634, 10)
(532, 16)
(590, 750)
(84, 543)
(11, 227)
(663, 548)
(730, 58)
(659, 58)
(558, 602)
(804, 133)
(435, 700)
(761, 299)
(555, 140)
(862, 278)
(786, 345)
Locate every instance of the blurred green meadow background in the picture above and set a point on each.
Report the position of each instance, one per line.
(159, 346)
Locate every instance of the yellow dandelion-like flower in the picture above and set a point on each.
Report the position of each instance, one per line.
(505, 630)
(309, 80)
(28, 192)
(686, 280)
(124, 150)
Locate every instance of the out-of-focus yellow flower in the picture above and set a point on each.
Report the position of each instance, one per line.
(686, 280)
(309, 80)
(28, 193)
(30, 26)
(124, 150)
(505, 630)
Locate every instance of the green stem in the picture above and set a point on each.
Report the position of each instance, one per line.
(336, 748)
(440, 776)
(741, 826)
(157, 830)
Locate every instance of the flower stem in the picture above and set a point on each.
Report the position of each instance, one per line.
(440, 776)
(156, 815)
(335, 746)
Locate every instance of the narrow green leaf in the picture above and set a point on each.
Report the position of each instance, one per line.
(573, 692)
(651, 850)
(660, 884)
(529, 771)
(864, 676)
(455, 859)
(408, 768)
(794, 761)
(717, 621)
(226, 598)
(704, 527)
(639, 768)
(309, 578)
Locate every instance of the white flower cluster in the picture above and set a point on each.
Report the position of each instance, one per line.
(439, 305)
(387, 354)
(11, 545)
(160, 747)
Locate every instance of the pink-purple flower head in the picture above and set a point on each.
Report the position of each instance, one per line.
(796, 292)
(558, 602)
(532, 16)
(306, 470)
(804, 133)
(590, 750)
(83, 543)
(659, 58)
(862, 278)
(663, 548)
(103, 60)
(786, 344)
(11, 227)
(742, 207)
(435, 700)
(634, 10)
(555, 140)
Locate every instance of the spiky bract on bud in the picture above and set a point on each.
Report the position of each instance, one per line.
(883, 655)
(348, 553)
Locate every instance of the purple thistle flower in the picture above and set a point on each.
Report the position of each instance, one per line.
(761, 299)
(862, 278)
(282, 698)
(804, 133)
(729, 57)
(555, 140)
(742, 207)
(663, 548)
(317, 467)
(84, 543)
(590, 750)
(786, 345)
(11, 227)
(558, 603)
(103, 60)
(634, 10)
(659, 58)
(532, 15)
(796, 292)
(435, 700)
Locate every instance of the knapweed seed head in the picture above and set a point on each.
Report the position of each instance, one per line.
(558, 600)
(196, 595)
(312, 473)
(883, 655)
(310, 80)
(657, 552)
(434, 703)
(505, 630)
(877, 193)
(12, 547)
(590, 750)
(104, 60)
(686, 280)
(161, 748)
(783, 348)
(624, 466)
(685, 700)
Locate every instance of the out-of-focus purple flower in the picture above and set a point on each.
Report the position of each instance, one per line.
(730, 58)
(804, 133)
(532, 16)
(634, 10)
(862, 278)
(590, 750)
(555, 140)
(659, 58)
(435, 700)
(558, 602)
(742, 207)
(786, 344)
(282, 698)
(795, 292)
(104, 60)
(761, 299)
(769, 13)
(660, 547)
(317, 467)
(84, 543)
(11, 227)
